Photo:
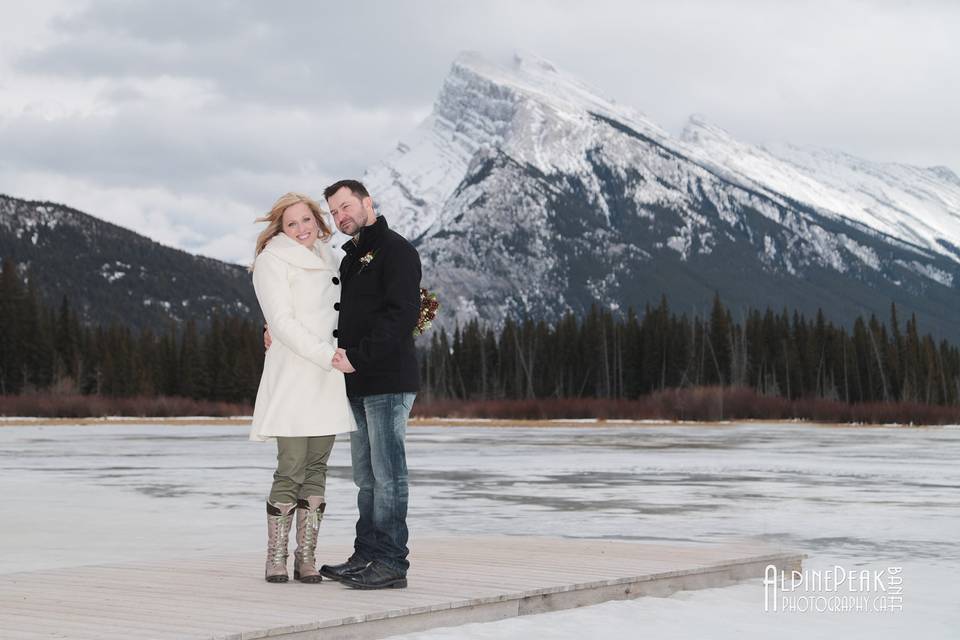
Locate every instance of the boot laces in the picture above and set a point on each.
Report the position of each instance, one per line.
(312, 525)
(281, 529)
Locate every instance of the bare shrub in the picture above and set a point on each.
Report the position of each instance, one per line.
(58, 405)
(696, 404)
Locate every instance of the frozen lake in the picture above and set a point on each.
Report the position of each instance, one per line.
(853, 497)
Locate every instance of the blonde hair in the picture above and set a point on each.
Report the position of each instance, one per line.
(274, 219)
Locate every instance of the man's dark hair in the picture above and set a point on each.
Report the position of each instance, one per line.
(356, 188)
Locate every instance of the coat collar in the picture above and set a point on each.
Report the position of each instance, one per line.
(369, 238)
(292, 252)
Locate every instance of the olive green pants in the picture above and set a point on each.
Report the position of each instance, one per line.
(301, 468)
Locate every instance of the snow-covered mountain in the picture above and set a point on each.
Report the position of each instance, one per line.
(526, 111)
(527, 193)
(111, 274)
(919, 205)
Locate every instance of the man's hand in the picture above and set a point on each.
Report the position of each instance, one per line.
(341, 362)
(267, 340)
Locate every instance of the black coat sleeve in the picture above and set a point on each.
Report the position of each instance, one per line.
(393, 328)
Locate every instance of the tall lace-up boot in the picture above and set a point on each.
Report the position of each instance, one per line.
(309, 514)
(279, 519)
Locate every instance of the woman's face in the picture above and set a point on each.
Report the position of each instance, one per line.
(299, 224)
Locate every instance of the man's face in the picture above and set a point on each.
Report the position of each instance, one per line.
(349, 212)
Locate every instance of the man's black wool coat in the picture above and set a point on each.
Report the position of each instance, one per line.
(379, 309)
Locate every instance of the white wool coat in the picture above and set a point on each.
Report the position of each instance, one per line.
(300, 393)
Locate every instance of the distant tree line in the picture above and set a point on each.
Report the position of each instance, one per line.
(604, 354)
(44, 348)
(625, 356)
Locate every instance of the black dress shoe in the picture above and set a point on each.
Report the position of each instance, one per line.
(375, 576)
(337, 571)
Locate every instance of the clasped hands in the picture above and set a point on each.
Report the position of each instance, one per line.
(340, 360)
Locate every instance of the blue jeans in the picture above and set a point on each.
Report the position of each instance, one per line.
(380, 473)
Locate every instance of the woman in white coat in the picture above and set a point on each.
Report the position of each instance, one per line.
(302, 400)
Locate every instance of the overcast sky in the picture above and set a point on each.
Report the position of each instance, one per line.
(184, 120)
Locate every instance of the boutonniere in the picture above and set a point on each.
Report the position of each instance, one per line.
(366, 259)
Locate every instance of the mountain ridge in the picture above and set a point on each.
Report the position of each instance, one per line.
(684, 218)
(112, 274)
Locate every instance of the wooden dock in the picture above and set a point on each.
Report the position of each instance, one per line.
(453, 581)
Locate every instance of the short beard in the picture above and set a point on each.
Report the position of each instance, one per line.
(356, 234)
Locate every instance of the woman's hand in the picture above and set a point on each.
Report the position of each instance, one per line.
(341, 362)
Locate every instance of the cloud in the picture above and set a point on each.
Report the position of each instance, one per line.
(140, 141)
(365, 54)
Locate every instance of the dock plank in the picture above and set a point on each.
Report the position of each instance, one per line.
(453, 581)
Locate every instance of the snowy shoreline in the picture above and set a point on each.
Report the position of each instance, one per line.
(180, 421)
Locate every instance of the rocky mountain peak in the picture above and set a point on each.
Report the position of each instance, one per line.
(529, 193)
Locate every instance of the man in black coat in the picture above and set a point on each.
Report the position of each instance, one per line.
(379, 309)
